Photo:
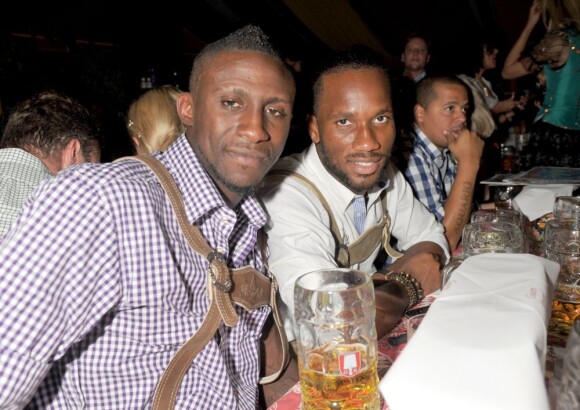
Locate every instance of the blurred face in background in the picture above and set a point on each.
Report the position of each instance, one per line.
(489, 58)
(416, 55)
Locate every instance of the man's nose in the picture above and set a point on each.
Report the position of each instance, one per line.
(252, 125)
(365, 139)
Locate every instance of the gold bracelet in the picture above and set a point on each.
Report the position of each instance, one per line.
(409, 283)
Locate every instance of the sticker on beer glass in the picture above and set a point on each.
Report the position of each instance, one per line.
(349, 363)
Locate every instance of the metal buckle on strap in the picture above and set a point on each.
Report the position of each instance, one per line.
(224, 287)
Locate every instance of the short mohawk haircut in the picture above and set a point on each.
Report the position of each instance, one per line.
(249, 38)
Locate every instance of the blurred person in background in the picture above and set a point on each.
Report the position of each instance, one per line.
(483, 58)
(44, 134)
(152, 120)
(555, 134)
(415, 57)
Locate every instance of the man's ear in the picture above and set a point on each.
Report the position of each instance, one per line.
(428, 58)
(185, 109)
(313, 129)
(70, 155)
(419, 114)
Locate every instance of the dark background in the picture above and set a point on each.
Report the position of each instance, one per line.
(99, 51)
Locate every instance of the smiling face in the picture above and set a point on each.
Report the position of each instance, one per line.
(353, 126)
(238, 116)
(446, 112)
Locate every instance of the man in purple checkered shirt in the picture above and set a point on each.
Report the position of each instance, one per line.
(98, 286)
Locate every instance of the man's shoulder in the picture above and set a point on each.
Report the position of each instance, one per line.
(288, 170)
(119, 176)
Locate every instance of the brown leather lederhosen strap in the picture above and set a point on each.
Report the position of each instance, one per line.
(361, 249)
(245, 286)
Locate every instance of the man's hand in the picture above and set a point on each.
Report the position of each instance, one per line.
(423, 261)
(391, 302)
(466, 147)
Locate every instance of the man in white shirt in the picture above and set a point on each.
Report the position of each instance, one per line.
(352, 132)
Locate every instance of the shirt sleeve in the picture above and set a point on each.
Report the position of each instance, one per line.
(411, 222)
(422, 181)
(58, 277)
(299, 236)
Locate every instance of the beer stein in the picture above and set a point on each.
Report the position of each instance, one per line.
(334, 312)
(562, 245)
(565, 389)
(567, 207)
(498, 215)
(485, 237)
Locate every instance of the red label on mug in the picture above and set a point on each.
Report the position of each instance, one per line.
(349, 363)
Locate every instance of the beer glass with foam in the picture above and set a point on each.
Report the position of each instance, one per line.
(334, 312)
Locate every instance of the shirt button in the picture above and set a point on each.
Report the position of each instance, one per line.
(224, 218)
(221, 250)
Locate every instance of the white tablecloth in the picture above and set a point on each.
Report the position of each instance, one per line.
(482, 345)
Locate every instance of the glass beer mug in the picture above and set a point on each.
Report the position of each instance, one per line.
(334, 311)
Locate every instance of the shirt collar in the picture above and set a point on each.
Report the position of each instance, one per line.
(420, 76)
(200, 194)
(423, 141)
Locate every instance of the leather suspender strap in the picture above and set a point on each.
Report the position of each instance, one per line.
(333, 225)
(361, 249)
(246, 286)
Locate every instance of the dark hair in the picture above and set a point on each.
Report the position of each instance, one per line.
(417, 34)
(249, 37)
(472, 60)
(426, 88)
(47, 122)
(354, 58)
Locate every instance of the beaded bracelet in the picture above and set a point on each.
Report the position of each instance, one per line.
(409, 283)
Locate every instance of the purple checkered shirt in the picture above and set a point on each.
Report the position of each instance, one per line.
(99, 288)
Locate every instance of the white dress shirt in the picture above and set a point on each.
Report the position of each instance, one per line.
(299, 235)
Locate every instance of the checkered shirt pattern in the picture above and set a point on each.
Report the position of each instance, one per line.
(20, 173)
(425, 177)
(99, 289)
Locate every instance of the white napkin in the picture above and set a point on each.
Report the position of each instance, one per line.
(482, 344)
(535, 201)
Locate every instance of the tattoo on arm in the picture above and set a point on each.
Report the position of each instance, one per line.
(465, 204)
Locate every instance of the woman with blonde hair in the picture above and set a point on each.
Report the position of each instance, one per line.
(153, 122)
(555, 134)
